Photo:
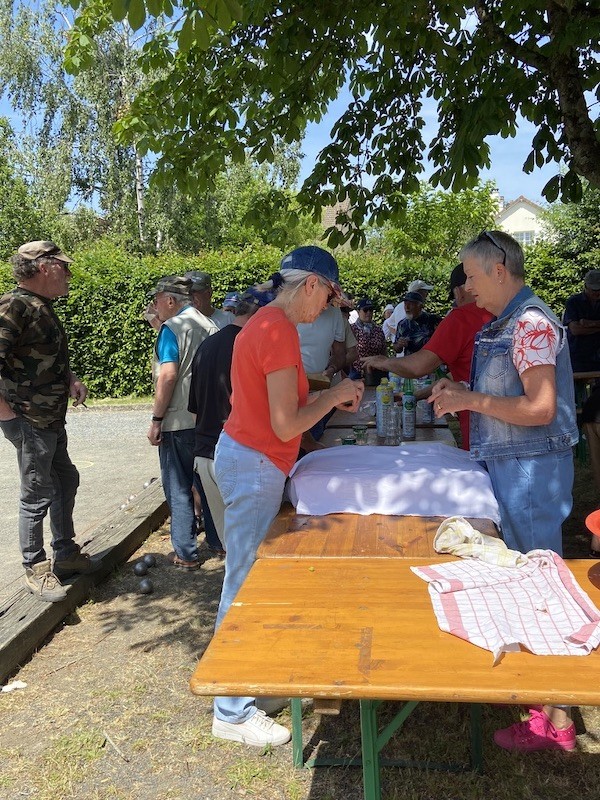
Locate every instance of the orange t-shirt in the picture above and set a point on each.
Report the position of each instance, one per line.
(267, 342)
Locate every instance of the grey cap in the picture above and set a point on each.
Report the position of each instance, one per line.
(174, 284)
(592, 280)
(37, 249)
(419, 284)
(200, 280)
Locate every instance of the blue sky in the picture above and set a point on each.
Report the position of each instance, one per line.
(507, 155)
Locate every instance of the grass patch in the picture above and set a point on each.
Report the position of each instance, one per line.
(65, 763)
(115, 402)
(249, 776)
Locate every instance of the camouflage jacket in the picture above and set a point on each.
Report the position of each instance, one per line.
(34, 359)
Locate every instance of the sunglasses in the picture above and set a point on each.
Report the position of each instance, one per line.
(487, 236)
(328, 285)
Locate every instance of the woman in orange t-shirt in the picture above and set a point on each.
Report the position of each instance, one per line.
(270, 409)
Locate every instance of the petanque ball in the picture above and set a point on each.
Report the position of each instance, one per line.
(150, 560)
(146, 586)
(140, 568)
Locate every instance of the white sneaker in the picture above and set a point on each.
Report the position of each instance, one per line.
(272, 705)
(257, 731)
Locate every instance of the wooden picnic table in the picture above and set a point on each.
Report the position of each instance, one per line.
(364, 629)
(354, 536)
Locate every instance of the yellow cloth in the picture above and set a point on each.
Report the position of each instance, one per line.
(459, 538)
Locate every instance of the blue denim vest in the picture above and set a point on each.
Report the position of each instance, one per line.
(493, 372)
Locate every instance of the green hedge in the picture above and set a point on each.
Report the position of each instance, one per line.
(111, 345)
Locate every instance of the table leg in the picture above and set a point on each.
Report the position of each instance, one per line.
(370, 750)
(476, 738)
(297, 749)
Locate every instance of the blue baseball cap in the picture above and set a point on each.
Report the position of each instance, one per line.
(256, 296)
(231, 300)
(314, 259)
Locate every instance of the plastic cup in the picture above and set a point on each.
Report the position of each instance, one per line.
(360, 432)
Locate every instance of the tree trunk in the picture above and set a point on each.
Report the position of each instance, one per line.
(139, 195)
(580, 134)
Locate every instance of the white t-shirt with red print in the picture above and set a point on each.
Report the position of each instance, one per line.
(535, 341)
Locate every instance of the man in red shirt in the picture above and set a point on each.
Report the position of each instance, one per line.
(451, 344)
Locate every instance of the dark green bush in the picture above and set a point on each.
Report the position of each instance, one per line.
(111, 345)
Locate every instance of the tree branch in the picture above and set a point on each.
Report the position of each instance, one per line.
(527, 55)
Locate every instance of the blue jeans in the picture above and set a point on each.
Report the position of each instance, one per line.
(535, 498)
(176, 455)
(252, 490)
(49, 482)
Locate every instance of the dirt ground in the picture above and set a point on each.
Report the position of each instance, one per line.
(107, 715)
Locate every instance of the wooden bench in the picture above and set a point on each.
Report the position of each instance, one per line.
(364, 629)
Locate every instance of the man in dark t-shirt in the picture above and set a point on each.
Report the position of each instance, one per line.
(210, 393)
(582, 320)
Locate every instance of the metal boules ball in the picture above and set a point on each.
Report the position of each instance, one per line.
(150, 560)
(140, 568)
(146, 586)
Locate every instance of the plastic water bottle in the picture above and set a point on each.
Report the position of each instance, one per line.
(409, 411)
(428, 415)
(396, 382)
(384, 397)
(391, 423)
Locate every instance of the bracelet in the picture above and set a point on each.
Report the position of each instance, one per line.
(156, 419)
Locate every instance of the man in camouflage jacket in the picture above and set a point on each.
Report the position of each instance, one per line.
(35, 384)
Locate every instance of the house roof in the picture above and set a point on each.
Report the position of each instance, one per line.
(521, 200)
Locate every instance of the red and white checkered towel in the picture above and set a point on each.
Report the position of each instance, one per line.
(539, 605)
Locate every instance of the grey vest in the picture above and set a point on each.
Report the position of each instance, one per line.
(190, 328)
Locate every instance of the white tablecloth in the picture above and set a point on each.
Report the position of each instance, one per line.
(419, 479)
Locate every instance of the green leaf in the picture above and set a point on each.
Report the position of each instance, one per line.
(119, 9)
(202, 33)
(136, 15)
(552, 188)
(235, 9)
(223, 15)
(154, 7)
(187, 34)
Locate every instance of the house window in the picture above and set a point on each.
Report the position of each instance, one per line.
(524, 237)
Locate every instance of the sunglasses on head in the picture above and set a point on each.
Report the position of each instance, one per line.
(487, 236)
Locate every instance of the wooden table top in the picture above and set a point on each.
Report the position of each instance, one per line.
(365, 629)
(353, 536)
(585, 376)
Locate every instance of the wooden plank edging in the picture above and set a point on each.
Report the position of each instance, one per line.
(25, 621)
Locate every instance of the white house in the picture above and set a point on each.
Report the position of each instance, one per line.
(520, 218)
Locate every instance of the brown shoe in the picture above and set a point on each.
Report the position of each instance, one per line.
(43, 583)
(179, 563)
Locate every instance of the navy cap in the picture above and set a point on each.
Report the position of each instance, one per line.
(413, 297)
(256, 296)
(457, 278)
(314, 259)
(364, 304)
